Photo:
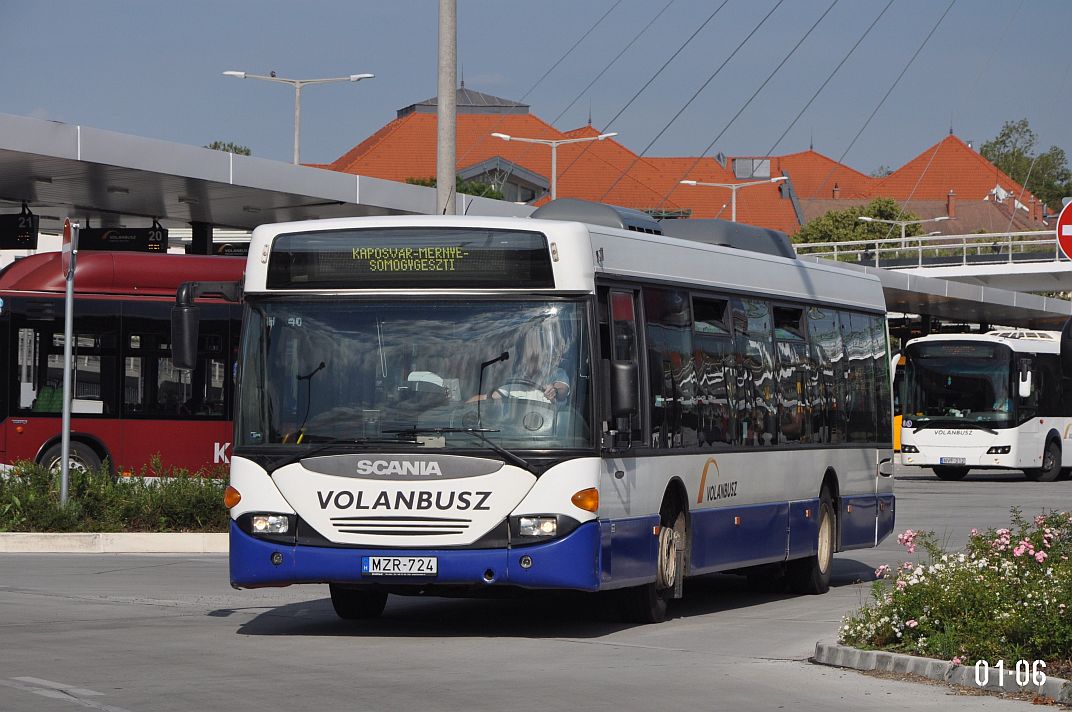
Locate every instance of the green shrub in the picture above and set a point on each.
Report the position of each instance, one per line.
(1007, 596)
(170, 501)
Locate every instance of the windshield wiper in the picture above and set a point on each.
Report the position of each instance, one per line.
(478, 433)
(330, 444)
(953, 424)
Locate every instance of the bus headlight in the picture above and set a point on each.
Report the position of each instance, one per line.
(909, 448)
(537, 526)
(999, 450)
(270, 524)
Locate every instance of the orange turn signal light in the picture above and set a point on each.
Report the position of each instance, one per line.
(231, 497)
(586, 499)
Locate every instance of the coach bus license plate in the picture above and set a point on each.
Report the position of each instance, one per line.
(952, 460)
(399, 565)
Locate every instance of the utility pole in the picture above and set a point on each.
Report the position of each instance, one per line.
(446, 107)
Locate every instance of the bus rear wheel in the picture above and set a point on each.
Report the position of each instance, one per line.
(812, 574)
(946, 472)
(353, 604)
(79, 457)
(1051, 464)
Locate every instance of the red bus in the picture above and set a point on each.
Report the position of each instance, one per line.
(130, 403)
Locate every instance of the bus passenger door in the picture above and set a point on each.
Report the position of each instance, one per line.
(627, 541)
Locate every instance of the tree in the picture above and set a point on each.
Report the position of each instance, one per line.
(230, 148)
(469, 187)
(845, 225)
(1044, 174)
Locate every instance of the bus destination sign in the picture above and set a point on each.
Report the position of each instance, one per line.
(124, 239)
(386, 258)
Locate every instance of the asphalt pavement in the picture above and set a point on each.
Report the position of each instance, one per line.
(163, 632)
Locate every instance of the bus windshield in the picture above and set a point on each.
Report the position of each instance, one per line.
(964, 382)
(438, 373)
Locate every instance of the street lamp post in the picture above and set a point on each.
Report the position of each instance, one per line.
(297, 84)
(733, 188)
(902, 223)
(554, 144)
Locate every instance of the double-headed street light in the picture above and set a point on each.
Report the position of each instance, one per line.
(554, 144)
(297, 84)
(902, 223)
(733, 188)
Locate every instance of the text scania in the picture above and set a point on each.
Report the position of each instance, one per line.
(398, 467)
(415, 500)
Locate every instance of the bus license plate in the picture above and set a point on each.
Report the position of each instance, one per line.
(399, 565)
(952, 461)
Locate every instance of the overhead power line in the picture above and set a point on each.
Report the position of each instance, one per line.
(703, 86)
(748, 102)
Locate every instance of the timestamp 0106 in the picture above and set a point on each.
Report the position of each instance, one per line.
(1024, 673)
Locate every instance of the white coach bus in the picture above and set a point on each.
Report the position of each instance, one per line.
(990, 401)
(585, 399)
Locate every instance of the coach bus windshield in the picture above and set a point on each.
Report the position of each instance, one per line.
(963, 382)
(426, 373)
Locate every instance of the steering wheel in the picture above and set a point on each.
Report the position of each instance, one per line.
(517, 383)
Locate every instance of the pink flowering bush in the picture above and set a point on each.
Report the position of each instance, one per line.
(1006, 596)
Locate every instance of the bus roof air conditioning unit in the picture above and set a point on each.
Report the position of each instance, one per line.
(598, 214)
(730, 234)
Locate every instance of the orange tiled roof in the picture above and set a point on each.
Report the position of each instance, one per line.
(609, 172)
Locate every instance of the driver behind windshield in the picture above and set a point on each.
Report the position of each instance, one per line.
(532, 369)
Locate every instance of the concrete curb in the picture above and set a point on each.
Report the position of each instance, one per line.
(1055, 688)
(107, 543)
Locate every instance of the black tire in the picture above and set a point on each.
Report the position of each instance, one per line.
(80, 457)
(1051, 464)
(649, 603)
(812, 574)
(1066, 472)
(354, 604)
(950, 473)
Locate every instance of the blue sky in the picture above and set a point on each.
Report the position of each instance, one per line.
(153, 68)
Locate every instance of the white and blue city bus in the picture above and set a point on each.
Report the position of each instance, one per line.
(995, 401)
(586, 399)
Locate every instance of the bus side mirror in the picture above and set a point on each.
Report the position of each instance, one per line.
(184, 327)
(1025, 378)
(1066, 350)
(623, 388)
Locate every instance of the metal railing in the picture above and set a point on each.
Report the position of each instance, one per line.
(941, 250)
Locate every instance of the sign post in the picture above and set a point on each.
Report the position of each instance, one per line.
(68, 258)
(1064, 230)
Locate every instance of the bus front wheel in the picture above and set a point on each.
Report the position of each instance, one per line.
(80, 457)
(1051, 464)
(949, 473)
(353, 604)
(648, 603)
(812, 574)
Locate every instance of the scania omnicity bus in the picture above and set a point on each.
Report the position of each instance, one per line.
(994, 401)
(129, 403)
(585, 399)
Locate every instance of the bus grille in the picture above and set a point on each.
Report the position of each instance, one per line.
(400, 526)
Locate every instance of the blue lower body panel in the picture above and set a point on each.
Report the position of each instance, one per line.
(629, 551)
(803, 528)
(739, 536)
(887, 517)
(571, 562)
(857, 517)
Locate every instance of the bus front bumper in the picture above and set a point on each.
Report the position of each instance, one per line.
(571, 562)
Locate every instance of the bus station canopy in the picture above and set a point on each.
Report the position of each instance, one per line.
(110, 179)
(965, 303)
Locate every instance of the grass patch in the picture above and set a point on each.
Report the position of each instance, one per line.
(171, 501)
(1006, 597)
